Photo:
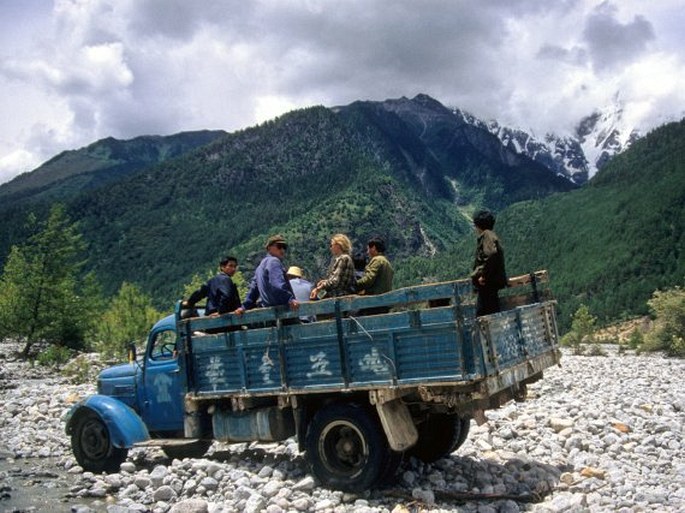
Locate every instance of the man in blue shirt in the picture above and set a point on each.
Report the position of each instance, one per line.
(270, 287)
(220, 291)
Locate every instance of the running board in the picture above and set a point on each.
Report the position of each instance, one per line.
(167, 442)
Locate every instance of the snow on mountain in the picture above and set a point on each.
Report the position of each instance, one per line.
(578, 156)
(603, 134)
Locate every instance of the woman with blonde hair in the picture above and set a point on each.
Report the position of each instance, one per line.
(340, 279)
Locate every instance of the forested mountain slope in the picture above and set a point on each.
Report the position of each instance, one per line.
(75, 172)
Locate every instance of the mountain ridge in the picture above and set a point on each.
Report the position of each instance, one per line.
(102, 162)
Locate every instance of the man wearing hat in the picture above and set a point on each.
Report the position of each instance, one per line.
(269, 286)
(301, 287)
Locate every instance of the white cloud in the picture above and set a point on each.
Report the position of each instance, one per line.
(268, 107)
(124, 68)
(16, 159)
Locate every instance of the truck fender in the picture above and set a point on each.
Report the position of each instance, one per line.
(125, 425)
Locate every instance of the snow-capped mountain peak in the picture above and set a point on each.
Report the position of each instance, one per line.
(578, 156)
(603, 134)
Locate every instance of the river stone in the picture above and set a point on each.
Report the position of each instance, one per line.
(142, 482)
(190, 506)
(559, 424)
(272, 488)
(127, 466)
(305, 484)
(255, 504)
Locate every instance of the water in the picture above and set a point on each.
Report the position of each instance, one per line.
(39, 485)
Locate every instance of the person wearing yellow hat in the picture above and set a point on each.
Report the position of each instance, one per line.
(301, 287)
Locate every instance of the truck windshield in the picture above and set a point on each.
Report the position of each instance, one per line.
(164, 345)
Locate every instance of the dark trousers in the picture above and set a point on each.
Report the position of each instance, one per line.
(487, 302)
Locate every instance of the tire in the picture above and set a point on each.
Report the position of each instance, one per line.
(465, 425)
(392, 464)
(92, 445)
(191, 450)
(440, 435)
(347, 449)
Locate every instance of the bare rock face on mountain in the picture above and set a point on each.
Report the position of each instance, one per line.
(448, 155)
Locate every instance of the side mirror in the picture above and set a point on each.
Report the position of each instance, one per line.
(132, 352)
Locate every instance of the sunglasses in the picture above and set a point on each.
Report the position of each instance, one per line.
(282, 246)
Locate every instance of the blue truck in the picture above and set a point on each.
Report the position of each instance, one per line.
(358, 391)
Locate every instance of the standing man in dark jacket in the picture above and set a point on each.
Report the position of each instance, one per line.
(489, 275)
(220, 291)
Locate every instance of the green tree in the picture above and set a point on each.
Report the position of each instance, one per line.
(128, 319)
(40, 286)
(582, 329)
(668, 334)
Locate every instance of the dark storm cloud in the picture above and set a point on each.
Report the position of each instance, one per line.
(181, 19)
(612, 43)
(373, 47)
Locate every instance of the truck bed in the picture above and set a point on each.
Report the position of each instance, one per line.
(416, 344)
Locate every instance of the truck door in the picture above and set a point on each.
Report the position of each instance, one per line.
(163, 384)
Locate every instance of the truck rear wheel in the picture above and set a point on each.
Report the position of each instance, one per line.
(190, 450)
(347, 448)
(92, 445)
(440, 435)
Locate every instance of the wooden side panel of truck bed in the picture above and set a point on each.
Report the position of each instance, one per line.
(417, 345)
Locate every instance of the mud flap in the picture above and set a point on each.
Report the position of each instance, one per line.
(398, 424)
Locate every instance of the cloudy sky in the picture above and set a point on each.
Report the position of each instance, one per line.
(75, 71)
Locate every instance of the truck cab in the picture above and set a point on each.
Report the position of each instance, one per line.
(139, 402)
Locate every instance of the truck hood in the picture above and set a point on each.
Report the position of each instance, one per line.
(119, 382)
(119, 371)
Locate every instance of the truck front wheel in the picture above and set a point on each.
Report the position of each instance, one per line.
(92, 445)
(347, 448)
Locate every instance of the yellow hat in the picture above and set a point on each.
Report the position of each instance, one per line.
(294, 271)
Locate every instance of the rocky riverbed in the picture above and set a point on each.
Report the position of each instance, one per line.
(596, 434)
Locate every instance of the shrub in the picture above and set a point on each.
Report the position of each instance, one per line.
(596, 350)
(53, 355)
(80, 370)
(636, 339)
(582, 330)
(668, 333)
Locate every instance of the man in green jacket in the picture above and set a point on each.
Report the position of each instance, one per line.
(378, 274)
